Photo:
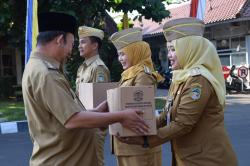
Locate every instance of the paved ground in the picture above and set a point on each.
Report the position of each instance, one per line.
(15, 149)
(161, 92)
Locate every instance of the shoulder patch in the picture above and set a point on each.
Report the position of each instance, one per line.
(100, 77)
(195, 93)
(147, 70)
(195, 71)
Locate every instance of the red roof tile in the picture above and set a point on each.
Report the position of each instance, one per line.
(221, 10)
(216, 11)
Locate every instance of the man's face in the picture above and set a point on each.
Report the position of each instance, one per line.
(69, 44)
(65, 47)
(86, 47)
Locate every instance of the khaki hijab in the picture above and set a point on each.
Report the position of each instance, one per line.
(139, 54)
(197, 52)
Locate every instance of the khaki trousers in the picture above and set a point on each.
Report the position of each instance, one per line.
(153, 159)
(99, 145)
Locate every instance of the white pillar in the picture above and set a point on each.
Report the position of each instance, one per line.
(248, 50)
(248, 56)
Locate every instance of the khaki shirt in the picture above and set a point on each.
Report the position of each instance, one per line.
(49, 103)
(92, 70)
(196, 128)
(122, 149)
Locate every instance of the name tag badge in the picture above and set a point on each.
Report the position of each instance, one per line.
(169, 108)
(168, 118)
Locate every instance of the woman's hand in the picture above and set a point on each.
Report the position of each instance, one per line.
(131, 140)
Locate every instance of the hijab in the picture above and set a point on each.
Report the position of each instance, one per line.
(197, 52)
(139, 55)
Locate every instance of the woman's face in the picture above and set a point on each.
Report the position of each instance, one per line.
(123, 59)
(172, 56)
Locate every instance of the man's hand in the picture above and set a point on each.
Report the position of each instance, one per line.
(132, 119)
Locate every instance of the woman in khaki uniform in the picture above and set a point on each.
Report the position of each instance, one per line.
(193, 119)
(135, 57)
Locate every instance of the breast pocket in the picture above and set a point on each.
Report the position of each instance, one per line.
(86, 77)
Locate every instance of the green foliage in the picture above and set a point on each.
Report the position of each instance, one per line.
(160, 103)
(71, 67)
(12, 23)
(120, 25)
(150, 9)
(116, 70)
(12, 111)
(175, 1)
(87, 12)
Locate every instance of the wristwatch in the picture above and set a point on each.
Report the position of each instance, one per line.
(145, 143)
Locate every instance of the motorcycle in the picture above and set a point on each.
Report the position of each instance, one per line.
(234, 83)
(168, 78)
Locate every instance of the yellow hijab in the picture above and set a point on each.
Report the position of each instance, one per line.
(196, 51)
(139, 54)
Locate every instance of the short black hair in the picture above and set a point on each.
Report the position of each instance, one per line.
(97, 40)
(47, 36)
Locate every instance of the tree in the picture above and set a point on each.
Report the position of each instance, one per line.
(175, 1)
(88, 12)
(12, 23)
(150, 9)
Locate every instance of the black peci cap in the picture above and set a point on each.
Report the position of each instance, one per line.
(53, 21)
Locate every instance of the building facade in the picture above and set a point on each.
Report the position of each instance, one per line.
(227, 26)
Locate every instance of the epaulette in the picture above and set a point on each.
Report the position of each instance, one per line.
(99, 62)
(50, 66)
(147, 70)
(53, 69)
(195, 71)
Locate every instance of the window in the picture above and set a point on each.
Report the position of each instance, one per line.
(232, 51)
(222, 44)
(225, 59)
(238, 42)
(7, 63)
(238, 59)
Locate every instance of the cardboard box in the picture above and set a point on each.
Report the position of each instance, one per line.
(139, 97)
(92, 94)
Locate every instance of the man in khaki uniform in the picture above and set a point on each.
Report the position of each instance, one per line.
(59, 125)
(193, 119)
(92, 70)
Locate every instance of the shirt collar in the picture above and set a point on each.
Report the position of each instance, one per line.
(51, 61)
(91, 60)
